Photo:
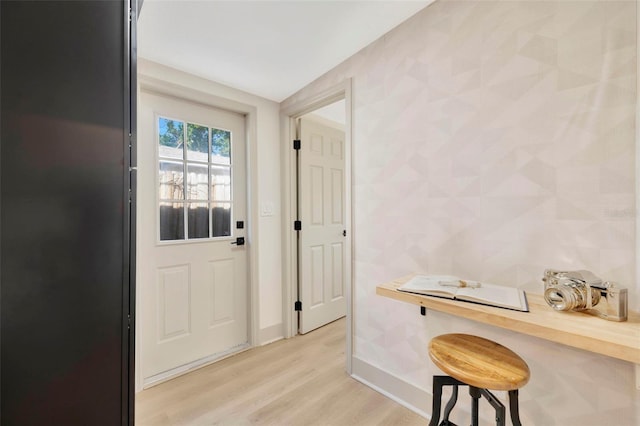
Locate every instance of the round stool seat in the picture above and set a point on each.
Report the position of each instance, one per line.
(479, 362)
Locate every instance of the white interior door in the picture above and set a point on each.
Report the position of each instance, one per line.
(323, 252)
(192, 196)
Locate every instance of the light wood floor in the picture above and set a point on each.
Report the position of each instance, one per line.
(299, 381)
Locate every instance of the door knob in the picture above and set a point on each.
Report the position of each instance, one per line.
(239, 241)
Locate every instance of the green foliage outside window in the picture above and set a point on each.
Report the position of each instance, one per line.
(197, 138)
(220, 142)
(172, 134)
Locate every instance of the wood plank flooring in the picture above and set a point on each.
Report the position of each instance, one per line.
(299, 381)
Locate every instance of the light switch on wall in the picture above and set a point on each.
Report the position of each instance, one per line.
(266, 209)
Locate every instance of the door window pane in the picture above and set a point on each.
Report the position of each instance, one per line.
(221, 219)
(197, 181)
(220, 183)
(171, 221)
(220, 146)
(196, 184)
(197, 143)
(171, 138)
(198, 220)
(171, 180)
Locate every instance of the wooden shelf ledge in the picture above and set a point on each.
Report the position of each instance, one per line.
(619, 340)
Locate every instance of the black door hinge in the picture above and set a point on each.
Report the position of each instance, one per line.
(297, 306)
(297, 225)
(296, 144)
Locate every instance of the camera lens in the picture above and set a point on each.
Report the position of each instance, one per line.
(561, 298)
(570, 297)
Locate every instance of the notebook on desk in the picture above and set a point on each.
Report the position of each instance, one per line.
(451, 287)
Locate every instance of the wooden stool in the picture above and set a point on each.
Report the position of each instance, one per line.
(482, 365)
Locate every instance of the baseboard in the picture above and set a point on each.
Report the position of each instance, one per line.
(265, 336)
(270, 334)
(414, 398)
(189, 367)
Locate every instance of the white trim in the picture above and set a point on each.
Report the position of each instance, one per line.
(270, 334)
(138, 342)
(187, 368)
(166, 87)
(288, 240)
(410, 396)
(289, 267)
(637, 146)
(415, 398)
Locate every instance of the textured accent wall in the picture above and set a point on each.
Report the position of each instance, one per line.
(492, 140)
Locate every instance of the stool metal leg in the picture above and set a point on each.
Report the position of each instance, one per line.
(450, 405)
(476, 393)
(497, 405)
(475, 396)
(438, 382)
(513, 407)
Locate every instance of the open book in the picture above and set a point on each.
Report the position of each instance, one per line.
(469, 291)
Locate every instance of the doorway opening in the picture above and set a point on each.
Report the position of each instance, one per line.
(317, 213)
(321, 229)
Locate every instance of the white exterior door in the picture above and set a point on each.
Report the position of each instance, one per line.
(323, 252)
(192, 196)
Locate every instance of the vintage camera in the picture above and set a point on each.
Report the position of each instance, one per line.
(583, 291)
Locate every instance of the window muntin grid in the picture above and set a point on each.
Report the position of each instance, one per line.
(195, 198)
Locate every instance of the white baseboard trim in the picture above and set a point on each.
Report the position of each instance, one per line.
(404, 393)
(194, 365)
(270, 334)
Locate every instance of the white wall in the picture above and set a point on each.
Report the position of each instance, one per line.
(492, 140)
(264, 188)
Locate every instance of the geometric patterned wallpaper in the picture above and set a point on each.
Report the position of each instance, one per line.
(492, 140)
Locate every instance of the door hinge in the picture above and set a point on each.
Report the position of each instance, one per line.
(296, 144)
(128, 321)
(297, 225)
(297, 306)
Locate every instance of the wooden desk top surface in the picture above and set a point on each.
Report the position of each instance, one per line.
(615, 339)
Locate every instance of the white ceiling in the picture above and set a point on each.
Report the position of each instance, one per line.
(268, 48)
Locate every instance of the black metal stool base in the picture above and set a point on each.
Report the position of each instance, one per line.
(476, 393)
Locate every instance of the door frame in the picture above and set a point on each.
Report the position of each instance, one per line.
(288, 116)
(169, 88)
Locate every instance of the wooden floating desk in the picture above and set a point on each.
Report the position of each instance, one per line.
(619, 340)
